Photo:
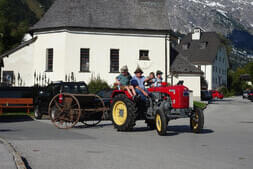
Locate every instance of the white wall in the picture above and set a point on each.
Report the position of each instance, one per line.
(190, 81)
(217, 70)
(21, 63)
(207, 69)
(67, 47)
(57, 41)
(66, 58)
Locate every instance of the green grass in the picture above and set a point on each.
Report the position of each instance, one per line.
(200, 104)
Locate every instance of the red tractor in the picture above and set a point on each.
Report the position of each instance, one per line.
(165, 103)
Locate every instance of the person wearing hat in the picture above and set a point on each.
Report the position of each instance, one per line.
(123, 81)
(138, 82)
(159, 78)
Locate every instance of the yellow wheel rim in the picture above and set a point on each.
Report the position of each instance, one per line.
(119, 113)
(195, 122)
(158, 122)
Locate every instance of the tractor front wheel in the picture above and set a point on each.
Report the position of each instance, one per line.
(123, 112)
(197, 120)
(161, 123)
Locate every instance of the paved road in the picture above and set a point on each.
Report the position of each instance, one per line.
(6, 158)
(226, 143)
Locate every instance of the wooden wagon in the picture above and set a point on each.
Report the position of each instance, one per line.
(66, 110)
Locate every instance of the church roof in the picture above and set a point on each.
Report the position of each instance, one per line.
(106, 14)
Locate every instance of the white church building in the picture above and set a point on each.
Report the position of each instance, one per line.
(79, 40)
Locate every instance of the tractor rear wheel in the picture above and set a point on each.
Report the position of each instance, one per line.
(123, 112)
(161, 123)
(197, 120)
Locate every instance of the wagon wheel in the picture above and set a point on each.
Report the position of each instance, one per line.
(64, 115)
(92, 123)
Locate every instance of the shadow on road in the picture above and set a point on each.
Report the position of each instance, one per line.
(140, 129)
(173, 130)
(7, 130)
(97, 126)
(15, 118)
(187, 129)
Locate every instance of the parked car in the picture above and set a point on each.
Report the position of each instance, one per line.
(250, 95)
(45, 95)
(217, 95)
(106, 96)
(206, 95)
(245, 94)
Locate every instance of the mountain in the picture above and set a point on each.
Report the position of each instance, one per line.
(212, 15)
(231, 18)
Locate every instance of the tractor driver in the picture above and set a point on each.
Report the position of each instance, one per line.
(138, 82)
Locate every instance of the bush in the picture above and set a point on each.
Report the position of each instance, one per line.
(96, 84)
(226, 92)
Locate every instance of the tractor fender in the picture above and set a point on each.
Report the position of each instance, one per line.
(117, 92)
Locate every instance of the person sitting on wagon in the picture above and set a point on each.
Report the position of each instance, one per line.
(138, 82)
(123, 81)
(159, 78)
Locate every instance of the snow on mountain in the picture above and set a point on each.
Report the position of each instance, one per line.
(213, 15)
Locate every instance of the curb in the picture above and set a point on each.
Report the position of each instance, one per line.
(16, 157)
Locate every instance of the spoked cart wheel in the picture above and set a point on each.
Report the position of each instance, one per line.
(89, 121)
(64, 111)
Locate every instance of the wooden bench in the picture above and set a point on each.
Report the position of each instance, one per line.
(18, 103)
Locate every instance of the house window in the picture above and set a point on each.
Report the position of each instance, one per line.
(49, 60)
(84, 60)
(9, 77)
(203, 45)
(144, 55)
(114, 60)
(186, 46)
